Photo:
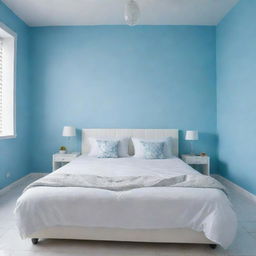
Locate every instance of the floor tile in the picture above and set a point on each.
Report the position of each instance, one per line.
(253, 235)
(244, 244)
(5, 253)
(2, 231)
(249, 226)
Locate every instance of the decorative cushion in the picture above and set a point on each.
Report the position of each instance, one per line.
(153, 150)
(122, 145)
(139, 148)
(107, 148)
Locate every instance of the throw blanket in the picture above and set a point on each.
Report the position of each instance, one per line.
(123, 183)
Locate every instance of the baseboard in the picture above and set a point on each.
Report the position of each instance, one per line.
(14, 184)
(234, 186)
(37, 174)
(19, 181)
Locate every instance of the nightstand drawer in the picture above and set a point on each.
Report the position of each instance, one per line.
(58, 160)
(63, 158)
(196, 160)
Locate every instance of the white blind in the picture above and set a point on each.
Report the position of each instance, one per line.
(1, 86)
(7, 62)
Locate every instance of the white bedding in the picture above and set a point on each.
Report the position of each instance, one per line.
(201, 209)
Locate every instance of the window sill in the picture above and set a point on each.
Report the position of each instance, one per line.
(3, 137)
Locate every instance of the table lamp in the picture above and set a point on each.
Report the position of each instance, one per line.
(191, 136)
(69, 131)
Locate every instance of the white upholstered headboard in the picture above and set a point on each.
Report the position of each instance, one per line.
(139, 133)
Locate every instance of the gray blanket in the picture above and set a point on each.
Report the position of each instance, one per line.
(123, 183)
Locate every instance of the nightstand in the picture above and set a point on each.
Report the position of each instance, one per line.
(203, 161)
(58, 160)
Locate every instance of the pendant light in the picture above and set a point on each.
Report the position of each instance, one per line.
(131, 13)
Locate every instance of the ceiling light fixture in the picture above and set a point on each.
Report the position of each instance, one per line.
(131, 13)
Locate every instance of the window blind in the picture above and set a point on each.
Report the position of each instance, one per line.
(1, 86)
(7, 78)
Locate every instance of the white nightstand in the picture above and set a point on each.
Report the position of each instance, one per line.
(58, 160)
(204, 161)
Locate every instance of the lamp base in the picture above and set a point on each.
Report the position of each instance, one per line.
(191, 148)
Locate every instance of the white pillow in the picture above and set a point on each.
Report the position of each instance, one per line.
(122, 146)
(139, 149)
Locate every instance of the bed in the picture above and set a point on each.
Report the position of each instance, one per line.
(152, 214)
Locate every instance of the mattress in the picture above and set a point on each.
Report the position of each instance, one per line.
(200, 209)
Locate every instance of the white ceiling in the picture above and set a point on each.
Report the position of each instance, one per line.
(110, 12)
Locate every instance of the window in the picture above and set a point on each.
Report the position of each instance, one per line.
(7, 82)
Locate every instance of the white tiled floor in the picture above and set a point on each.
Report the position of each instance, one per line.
(11, 244)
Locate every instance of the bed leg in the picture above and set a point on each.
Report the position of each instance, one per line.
(34, 240)
(213, 246)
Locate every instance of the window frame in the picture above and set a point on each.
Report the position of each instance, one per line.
(14, 35)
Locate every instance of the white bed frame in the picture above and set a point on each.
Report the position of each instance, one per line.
(178, 235)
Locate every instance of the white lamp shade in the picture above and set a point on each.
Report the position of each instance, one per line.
(69, 131)
(191, 135)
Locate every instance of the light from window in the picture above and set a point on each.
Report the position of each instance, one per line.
(1, 85)
(7, 82)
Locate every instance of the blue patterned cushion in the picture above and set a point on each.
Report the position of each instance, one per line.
(153, 150)
(107, 148)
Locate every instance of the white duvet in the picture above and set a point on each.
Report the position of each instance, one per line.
(201, 209)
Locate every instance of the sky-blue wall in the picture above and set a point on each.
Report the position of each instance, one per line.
(140, 77)
(14, 153)
(121, 77)
(236, 91)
